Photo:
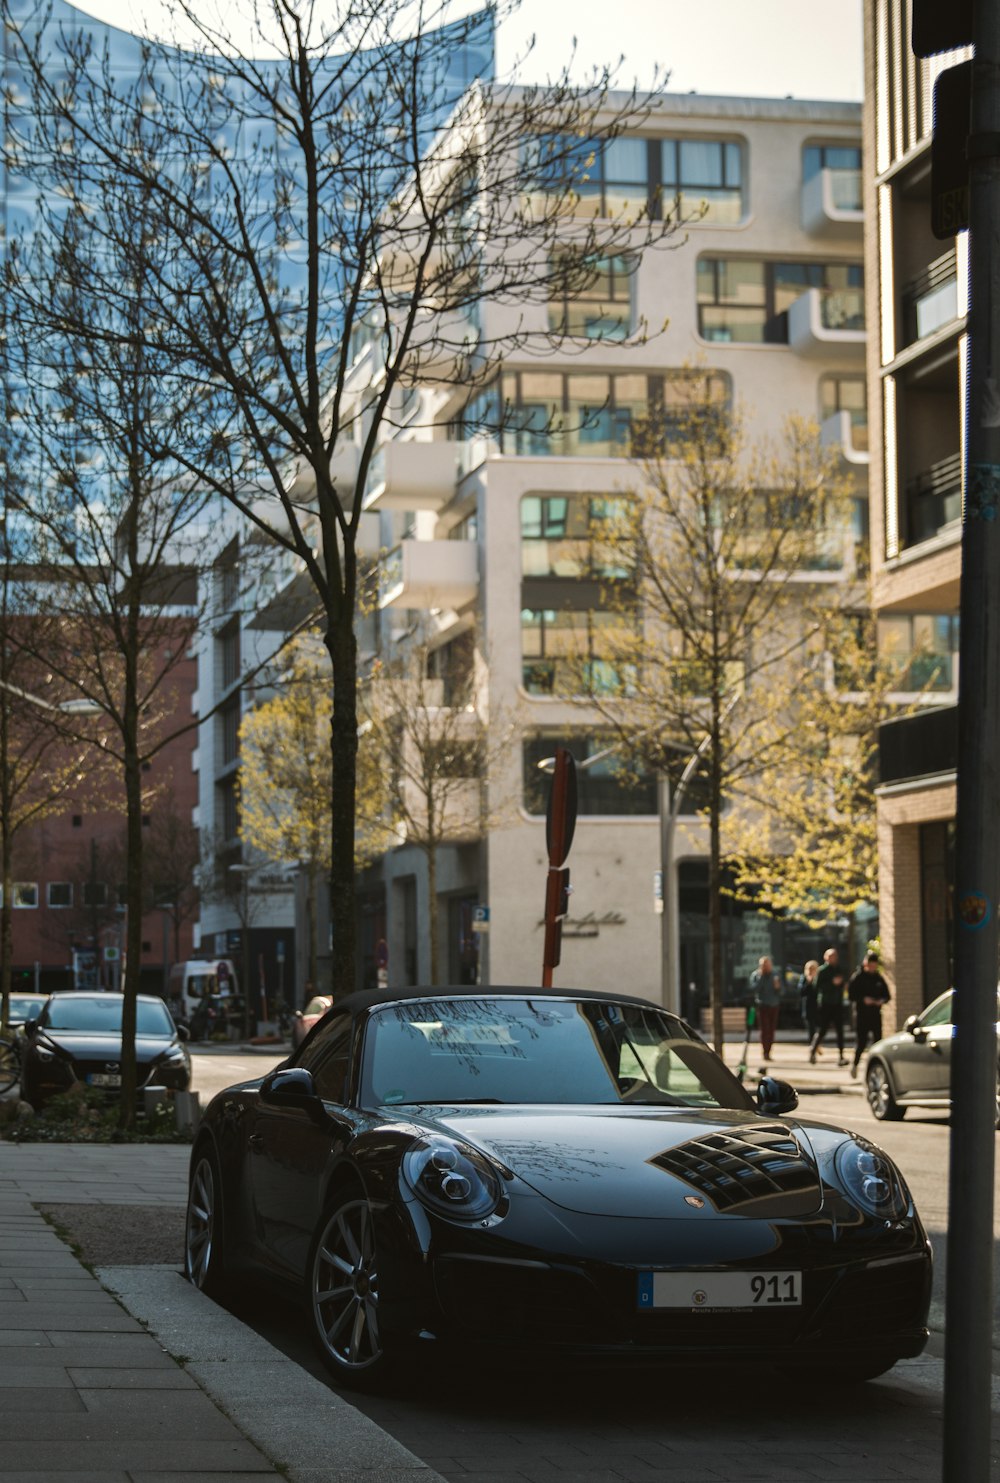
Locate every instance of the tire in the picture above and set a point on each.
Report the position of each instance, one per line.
(204, 1259)
(881, 1098)
(342, 1293)
(10, 1065)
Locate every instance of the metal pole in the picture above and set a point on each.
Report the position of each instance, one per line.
(969, 1288)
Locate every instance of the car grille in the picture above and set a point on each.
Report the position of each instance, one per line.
(516, 1301)
(735, 1170)
(882, 1298)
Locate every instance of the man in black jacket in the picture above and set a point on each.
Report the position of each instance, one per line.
(868, 991)
(830, 999)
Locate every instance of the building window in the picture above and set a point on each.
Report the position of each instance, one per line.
(591, 298)
(610, 785)
(229, 656)
(571, 536)
(24, 895)
(843, 161)
(95, 893)
(699, 179)
(569, 651)
(846, 394)
(920, 649)
(229, 718)
(227, 809)
(746, 300)
(59, 894)
(549, 413)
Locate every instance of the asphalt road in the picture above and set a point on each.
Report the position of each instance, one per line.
(512, 1424)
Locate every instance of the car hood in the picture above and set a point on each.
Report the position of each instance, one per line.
(647, 1162)
(84, 1047)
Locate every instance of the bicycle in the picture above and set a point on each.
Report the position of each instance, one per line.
(10, 1064)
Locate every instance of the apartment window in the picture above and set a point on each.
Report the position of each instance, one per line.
(229, 655)
(95, 893)
(920, 649)
(746, 300)
(703, 177)
(591, 299)
(59, 894)
(698, 178)
(611, 785)
(572, 536)
(843, 161)
(569, 651)
(24, 895)
(227, 809)
(229, 718)
(846, 394)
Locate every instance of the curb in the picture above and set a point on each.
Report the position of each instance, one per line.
(304, 1428)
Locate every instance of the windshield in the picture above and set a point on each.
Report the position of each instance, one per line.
(540, 1050)
(104, 1015)
(25, 1006)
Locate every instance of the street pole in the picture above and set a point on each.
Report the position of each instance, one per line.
(969, 1285)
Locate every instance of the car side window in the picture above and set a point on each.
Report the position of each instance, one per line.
(328, 1057)
(938, 1013)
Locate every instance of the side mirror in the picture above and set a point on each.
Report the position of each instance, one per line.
(30, 1026)
(183, 1033)
(293, 1087)
(911, 1023)
(775, 1097)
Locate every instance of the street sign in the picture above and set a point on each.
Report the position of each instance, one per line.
(480, 919)
(560, 814)
(658, 892)
(949, 159)
(111, 954)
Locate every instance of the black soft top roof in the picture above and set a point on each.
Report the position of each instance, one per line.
(371, 998)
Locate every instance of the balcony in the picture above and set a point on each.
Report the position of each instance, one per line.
(412, 476)
(934, 499)
(429, 574)
(930, 300)
(840, 431)
(832, 204)
(827, 321)
(443, 346)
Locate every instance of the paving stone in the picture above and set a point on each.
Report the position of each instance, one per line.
(147, 1355)
(33, 1377)
(25, 1399)
(78, 1320)
(168, 1378)
(176, 1456)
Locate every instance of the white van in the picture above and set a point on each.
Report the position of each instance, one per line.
(196, 980)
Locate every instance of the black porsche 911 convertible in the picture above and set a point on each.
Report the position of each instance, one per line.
(552, 1171)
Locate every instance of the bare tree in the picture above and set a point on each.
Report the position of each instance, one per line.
(333, 246)
(721, 569)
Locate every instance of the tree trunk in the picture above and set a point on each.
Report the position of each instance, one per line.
(715, 879)
(432, 914)
(343, 650)
(133, 916)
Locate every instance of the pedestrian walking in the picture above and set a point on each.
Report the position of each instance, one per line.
(830, 984)
(807, 998)
(868, 991)
(767, 998)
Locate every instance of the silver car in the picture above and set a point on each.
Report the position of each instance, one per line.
(913, 1067)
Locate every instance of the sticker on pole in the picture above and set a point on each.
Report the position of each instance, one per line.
(973, 910)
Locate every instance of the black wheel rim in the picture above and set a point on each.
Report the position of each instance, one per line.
(200, 1223)
(345, 1288)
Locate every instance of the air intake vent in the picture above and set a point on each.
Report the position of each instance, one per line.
(759, 1172)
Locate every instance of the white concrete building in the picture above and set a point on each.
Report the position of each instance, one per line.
(763, 296)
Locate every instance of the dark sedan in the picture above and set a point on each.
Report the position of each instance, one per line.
(913, 1067)
(570, 1173)
(77, 1039)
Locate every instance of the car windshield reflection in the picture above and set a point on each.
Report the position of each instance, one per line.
(103, 1016)
(538, 1050)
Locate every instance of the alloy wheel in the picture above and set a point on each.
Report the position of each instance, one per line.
(880, 1097)
(200, 1232)
(345, 1288)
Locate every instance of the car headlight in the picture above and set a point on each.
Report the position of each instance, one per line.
(451, 1179)
(175, 1057)
(871, 1180)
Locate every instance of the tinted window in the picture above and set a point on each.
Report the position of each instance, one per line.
(327, 1056)
(104, 1015)
(939, 1013)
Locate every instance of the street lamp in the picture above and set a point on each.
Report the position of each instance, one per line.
(79, 706)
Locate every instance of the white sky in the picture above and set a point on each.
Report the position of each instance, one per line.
(757, 48)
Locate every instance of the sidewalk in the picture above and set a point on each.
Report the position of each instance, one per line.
(790, 1062)
(181, 1390)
